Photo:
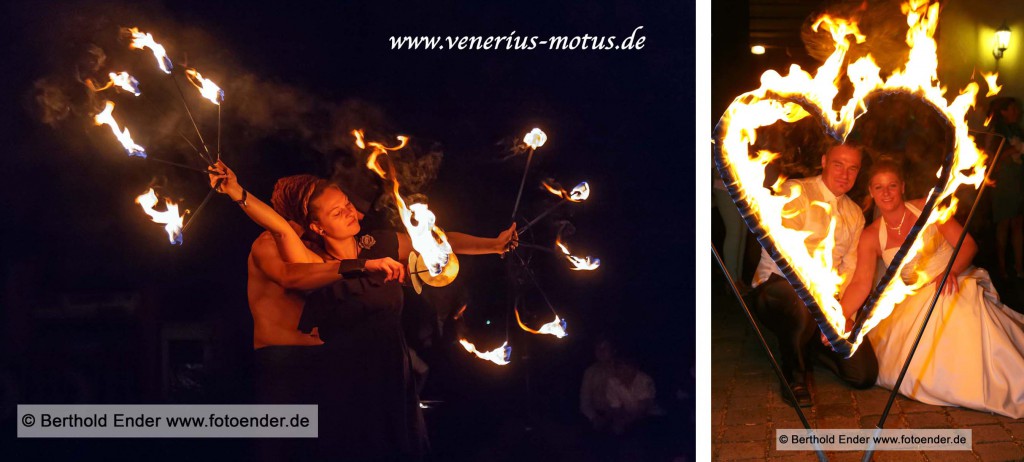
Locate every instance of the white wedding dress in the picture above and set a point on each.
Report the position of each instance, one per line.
(972, 351)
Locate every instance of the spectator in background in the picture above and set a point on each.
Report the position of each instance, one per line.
(630, 395)
(1008, 198)
(617, 399)
(735, 231)
(594, 391)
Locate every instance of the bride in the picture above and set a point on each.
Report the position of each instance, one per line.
(972, 351)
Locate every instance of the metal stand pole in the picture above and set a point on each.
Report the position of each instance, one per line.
(188, 111)
(522, 183)
(175, 164)
(764, 344)
(198, 209)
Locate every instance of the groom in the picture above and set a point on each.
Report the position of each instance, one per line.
(777, 305)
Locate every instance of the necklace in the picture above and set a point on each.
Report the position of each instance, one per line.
(898, 228)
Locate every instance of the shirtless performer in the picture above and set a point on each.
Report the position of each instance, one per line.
(285, 357)
(274, 288)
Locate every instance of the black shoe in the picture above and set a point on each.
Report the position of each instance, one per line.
(803, 396)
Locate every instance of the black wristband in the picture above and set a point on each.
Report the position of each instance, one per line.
(353, 268)
(245, 195)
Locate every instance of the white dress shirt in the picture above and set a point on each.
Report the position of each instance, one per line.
(849, 224)
(631, 397)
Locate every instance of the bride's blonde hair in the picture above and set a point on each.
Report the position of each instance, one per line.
(886, 163)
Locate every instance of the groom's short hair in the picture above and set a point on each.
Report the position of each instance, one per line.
(860, 147)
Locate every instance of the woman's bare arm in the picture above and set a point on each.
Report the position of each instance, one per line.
(863, 276)
(466, 244)
(951, 231)
(288, 242)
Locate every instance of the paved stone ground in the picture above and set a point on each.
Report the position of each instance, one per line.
(746, 406)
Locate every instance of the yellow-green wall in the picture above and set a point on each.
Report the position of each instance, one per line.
(966, 36)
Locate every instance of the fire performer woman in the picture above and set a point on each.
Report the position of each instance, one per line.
(369, 403)
(972, 351)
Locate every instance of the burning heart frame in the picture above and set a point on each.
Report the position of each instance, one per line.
(798, 95)
(799, 279)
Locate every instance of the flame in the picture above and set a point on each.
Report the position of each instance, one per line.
(428, 239)
(536, 138)
(206, 87)
(169, 218)
(500, 356)
(434, 251)
(125, 82)
(378, 149)
(587, 263)
(578, 194)
(556, 327)
(142, 40)
(990, 79)
(107, 117)
(774, 102)
(121, 79)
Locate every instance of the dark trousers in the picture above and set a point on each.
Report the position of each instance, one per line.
(780, 309)
(287, 375)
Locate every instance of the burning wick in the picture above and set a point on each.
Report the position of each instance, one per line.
(121, 79)
(107, 117)
(428, 239)
(434, 254)
(142, 40)
(556, 327)
(169, 218)
(206, 87)
(578, 194)
(535, 139)
(587, 263)
(125, 82)
(500, 356)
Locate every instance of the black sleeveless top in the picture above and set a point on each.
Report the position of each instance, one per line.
(368, 406)
(349, 306)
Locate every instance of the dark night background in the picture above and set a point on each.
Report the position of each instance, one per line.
(99, 308)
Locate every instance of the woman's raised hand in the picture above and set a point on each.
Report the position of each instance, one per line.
(224, 180)
(392, 269)
(507, 240)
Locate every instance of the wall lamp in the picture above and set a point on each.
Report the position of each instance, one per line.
(1002, 41)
